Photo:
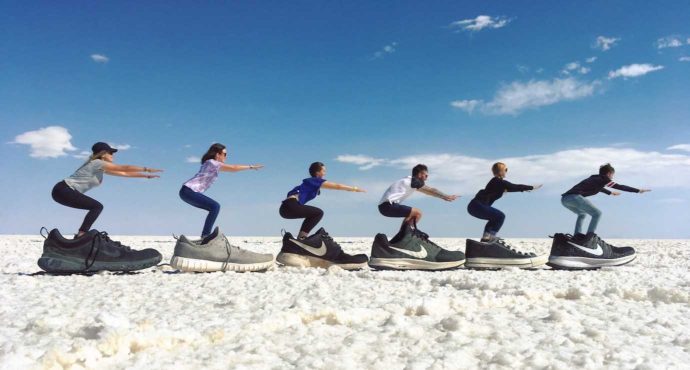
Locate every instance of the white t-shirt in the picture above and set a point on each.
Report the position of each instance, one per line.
(401, 190)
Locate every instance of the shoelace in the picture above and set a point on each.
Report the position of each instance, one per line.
(422, 235)
(102, 236)
(511, 248)
(228, 248)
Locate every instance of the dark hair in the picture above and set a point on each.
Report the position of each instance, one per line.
(212, 151)
(315, 167)
(418, 168)
(606, 168)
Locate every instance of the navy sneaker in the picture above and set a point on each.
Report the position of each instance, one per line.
(317, 250)
(587, 252)
(94, 251)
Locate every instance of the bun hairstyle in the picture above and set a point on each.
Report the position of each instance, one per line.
(315, 167)
(212, 151)
(497, 167)
(605, 169)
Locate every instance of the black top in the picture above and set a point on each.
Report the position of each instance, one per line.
(495, 189)
(595, 184)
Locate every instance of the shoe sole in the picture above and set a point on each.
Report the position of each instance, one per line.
(297, 260)
(582, 263)
(65, 265)
(485, 262)
(196, 265)
(412, 264)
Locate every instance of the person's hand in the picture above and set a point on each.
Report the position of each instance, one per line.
(615, 193)
(645, 190)
(535, 187)
(256, 166)
(358, 190)
(152, 176)
(451, 198)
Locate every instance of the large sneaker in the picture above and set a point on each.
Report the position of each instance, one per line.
(215, 253)
(586, 252)
(411, 249)
(91, 252)
(496, 253)
(318, 250)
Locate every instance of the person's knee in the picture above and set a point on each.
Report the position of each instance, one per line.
(97, 207)
(318, 212)
(500, 216)
(215, 207)
(595, 212)
(416, 212)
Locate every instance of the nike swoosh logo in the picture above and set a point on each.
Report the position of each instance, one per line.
(320, 251)
(597, 252)
(421, 253)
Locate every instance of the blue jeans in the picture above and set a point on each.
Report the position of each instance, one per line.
(582, 207)
(486, 212)
(199, 200)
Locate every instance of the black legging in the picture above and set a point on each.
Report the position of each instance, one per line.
(291, 209)
(69, 197)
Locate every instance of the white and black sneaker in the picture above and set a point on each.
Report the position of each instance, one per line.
(411, 249)
(495, 253)
(587, 252)
(317, 250)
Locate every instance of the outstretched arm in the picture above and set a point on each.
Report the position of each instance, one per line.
(627, 188)
(336, 186)
(131, 174)
(112, 167)
(240, 167)
(437, 193)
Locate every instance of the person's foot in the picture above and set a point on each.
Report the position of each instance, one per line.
(91, 252)
(586, 252)
(495, 253)
(215, 253)
(317, 250)
(411, 249)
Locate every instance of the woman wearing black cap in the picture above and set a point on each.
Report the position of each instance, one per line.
(70, 191)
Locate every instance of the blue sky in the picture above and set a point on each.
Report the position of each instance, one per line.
(368, 88)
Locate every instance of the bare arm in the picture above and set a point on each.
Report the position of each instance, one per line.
(335, 186)
(112, 167)
(131, 174)
(240, 167)
(437, 193)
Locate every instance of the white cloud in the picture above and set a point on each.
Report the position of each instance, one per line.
(684, 59)
(574, 67)
(558, 170)
(120, 146)
(591, 59)
(669, 42)
(522, 69)
(47, 142)
(466, 105)
(479, 23)
(605, 43)
(388, 49)
(365, 162)
(100, 58)
(683, 147)
(634, 70)
(519, 96)
(193, 159)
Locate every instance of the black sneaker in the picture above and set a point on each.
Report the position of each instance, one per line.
(318, 250)
(496, 254)
(586, 252)
(411, 249)
(91, 252)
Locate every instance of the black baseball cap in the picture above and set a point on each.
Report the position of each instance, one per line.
(102, 147)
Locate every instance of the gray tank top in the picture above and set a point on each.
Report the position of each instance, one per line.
(87, 176)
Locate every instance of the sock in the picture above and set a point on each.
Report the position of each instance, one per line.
(487, 237)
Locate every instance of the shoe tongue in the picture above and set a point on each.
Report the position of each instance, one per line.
(321, 231)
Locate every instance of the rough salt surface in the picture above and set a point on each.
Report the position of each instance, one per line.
(635, 316)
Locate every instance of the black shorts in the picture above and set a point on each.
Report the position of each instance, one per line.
(394, 209)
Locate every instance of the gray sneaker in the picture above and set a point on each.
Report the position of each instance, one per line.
(217, 254)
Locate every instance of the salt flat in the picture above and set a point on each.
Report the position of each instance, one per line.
(636, 316)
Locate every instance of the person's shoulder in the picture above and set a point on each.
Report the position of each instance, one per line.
(97, 163)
